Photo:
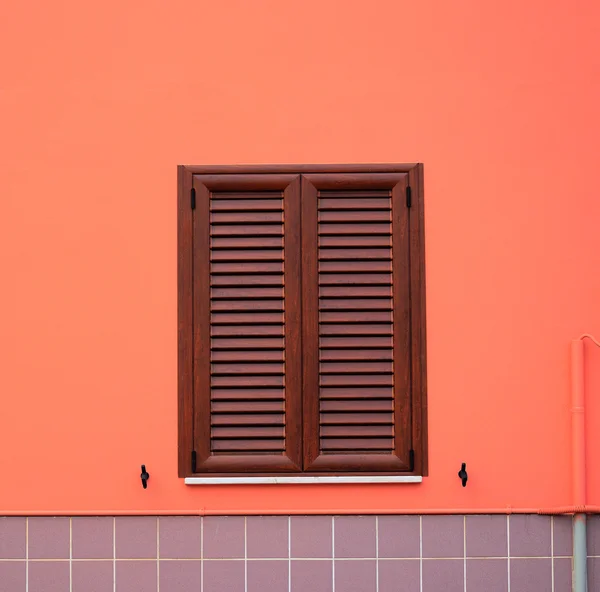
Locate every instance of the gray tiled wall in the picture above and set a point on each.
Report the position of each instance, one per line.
(292, 554)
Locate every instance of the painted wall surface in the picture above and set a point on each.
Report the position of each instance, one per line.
(100, 101)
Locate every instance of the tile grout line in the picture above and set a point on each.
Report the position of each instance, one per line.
(376, 553)
(157, 554)
(333, 553)
(508, 548)
(26, 554)
(114, 554)
(552, 548)
(245, 554)
(465, 551)
(201, 553)
(289, 554)
(70, 554)
(421, 553)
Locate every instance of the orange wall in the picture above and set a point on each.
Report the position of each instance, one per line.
(100, 101)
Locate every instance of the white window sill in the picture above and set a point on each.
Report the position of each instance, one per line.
(299, 480)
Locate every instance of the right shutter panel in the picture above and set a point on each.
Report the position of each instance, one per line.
(356, 322)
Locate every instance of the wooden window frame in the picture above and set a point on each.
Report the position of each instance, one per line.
(190, 342)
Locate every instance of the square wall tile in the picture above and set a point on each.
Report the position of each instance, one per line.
(92, 537)
(311, 536)
(529, 535)
(399, 575)
(399, 536)
(486, 536)
(445, 575)
(92, 576)
(354, 536)
(224, 537)
(443, 536)
(180, 576)
(563, 536)
(527, 575)
(563, 575)
(593, 534)
(312, 576)
(224, 576)
(180, 537)
(135, 537)
(49, 538)
(12, 576)
(487, 575)
(268, 576)
(355, 576)
(49, 576)
(12, 538)
(136, 576)
(267, 536)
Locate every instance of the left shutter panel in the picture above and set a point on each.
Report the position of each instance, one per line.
(247, 364)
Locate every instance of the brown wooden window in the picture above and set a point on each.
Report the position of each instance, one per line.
(301, 320)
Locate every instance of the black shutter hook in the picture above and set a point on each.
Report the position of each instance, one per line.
(462, 474)
(144, 477)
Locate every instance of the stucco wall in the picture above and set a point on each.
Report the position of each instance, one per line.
(100, 101)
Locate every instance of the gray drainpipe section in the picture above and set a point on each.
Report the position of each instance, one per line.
(580, 553)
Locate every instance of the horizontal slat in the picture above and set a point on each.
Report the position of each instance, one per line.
(355, 203)
(246, 330)
(256, 406)
(358, 431)
(246, 394)
(225, 205)
(237, 195)
(354, 266)
(361, 418)
(248, 446)
(356, 392)
(246, 419)
(355, 291)
(353, 279)
(276, 355)
(348, 329)
(368, 228)
(354, 193)
(342, 216)
(355, 354)
(247, 280)
(355, 242)
(221, 245)
(355, 304)
(256, 343)
(251, 292)
(378, 367)
(246, 217)
(382, 253)
(246, 381)
(247, 267)
(249, 368)
(356, 445)
(240, 305)
(247, 433)
(356, 379)
(354, 342)
(247, 230)
(246, 318)
(357, 405)
(384, 316)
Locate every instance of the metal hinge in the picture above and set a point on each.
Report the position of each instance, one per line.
(408, 197)
(411, 460)
(193, 461)
(193, 199)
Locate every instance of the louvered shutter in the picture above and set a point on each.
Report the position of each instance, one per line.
(356, 322)
(246, 294)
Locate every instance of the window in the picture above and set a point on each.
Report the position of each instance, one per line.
(301, 321)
